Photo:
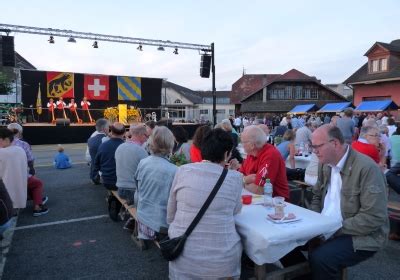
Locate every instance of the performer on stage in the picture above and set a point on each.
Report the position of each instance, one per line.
(72, 108)
(51, 106)
(60, 108)
(86, 113)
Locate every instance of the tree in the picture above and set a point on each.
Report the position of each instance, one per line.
(5, 84)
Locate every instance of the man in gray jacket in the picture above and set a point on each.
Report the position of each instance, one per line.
(352, 189)
(127, 158)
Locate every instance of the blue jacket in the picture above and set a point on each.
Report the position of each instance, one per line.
(61, 161)
(105, 160)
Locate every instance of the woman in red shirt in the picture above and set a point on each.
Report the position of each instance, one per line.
(195, 153)
(369, 144)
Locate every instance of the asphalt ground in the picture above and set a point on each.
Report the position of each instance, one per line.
(77, 240)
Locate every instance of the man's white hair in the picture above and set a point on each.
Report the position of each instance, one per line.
(257, 136)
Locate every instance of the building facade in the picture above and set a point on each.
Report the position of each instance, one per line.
(183, 104)
(379, 77)
(286, 91)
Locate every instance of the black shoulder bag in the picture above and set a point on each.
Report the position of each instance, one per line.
(172, 248)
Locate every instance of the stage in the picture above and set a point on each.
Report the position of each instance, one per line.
(45, 133)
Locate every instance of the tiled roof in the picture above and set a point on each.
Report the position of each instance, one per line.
(294, 75)
(191, 95)
(362, 75)
(218, 93)
(249, 83)
(394, 46)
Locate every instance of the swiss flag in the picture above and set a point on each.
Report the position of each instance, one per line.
(96, 87)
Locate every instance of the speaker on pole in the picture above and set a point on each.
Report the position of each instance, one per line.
(205, 65)
(8, 53)
(63, 122)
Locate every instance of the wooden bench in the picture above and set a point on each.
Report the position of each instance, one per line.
(141, 243)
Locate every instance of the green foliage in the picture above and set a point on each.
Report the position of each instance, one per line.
(5, 84)
(178, 159)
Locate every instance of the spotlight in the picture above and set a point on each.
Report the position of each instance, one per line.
(71, 40)
(175, 51)
(95, 45)
(161, 48)
(51, 40)
(140, 48)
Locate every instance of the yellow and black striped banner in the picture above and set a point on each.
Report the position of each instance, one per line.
(129, 88)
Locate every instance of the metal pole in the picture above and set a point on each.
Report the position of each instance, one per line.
(213, 85)
(165, 98)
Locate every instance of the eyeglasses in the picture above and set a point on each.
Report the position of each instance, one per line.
(317, 147)
(374, 135)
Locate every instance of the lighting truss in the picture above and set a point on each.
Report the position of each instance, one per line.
(52, 32)
(8, 28)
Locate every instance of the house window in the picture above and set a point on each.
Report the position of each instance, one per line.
(221, 111)
(378, 65)
(383, 64)
(223, 100)
(307, 93)
(177, 101)
(314, 93)
(274, 94)
(375, 65)
(177, 112)
(207, 100)
(203, 111)
(298, 92)
(231, 112)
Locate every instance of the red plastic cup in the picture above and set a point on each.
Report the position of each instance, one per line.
(246, 198)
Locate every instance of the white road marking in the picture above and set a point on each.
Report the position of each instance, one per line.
(61, 222)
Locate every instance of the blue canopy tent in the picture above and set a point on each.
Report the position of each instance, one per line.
(334, 107)
(302, 109)
(376, 106)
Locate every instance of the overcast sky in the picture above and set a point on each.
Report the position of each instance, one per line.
(326, 39)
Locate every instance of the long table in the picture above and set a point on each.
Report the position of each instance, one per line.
(300, 161)
(267, 242)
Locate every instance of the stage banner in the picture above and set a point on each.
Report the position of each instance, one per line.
(39, 102)
(123, 113)
(96, 87)
(60, 84)
(129, 88)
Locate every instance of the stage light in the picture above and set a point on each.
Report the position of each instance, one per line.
(140, 48)
(95, 45)
(51, 40)
(161, 48)
(71, 40)
(175, 51)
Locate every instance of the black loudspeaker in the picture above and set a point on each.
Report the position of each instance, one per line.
(205, 65)
(63, 122)
(8, 51)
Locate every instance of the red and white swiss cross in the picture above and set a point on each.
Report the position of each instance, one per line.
(96, 87)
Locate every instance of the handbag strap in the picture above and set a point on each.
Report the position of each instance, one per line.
(207, 203)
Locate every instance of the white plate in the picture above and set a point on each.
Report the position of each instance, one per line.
(283, 221)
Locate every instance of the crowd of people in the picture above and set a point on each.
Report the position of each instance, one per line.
(351, 157)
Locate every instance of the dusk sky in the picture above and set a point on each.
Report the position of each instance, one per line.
(326, 39)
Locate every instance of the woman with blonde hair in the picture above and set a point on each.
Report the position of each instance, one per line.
(154, 177)
(287, 147)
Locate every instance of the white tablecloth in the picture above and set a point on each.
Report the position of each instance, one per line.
(300, 161)
(266, 242)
